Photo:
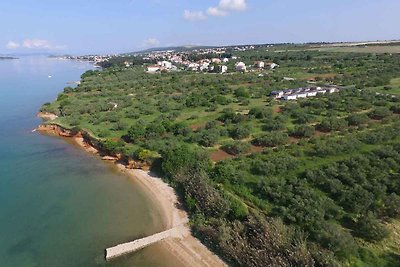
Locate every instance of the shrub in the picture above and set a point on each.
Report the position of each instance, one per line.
(332, 124)
(380, 113)
(302, 131)
(357, 119)
(271, 139)
(236, 147)
(240, 132)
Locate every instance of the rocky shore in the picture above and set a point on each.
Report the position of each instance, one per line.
(187, 249)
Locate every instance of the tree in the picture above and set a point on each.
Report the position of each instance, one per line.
(356, 119)
(302, 131)
(179, 160)
(236, 147)
(332, 124)
(240, 132)
(137, 131)
(271, 139)
(370, 229)
(380, 113)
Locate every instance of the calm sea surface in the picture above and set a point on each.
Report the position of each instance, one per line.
(60, 206)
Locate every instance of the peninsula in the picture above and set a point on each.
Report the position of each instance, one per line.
(280, 154)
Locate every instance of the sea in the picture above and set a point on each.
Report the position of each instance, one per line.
(59, 205)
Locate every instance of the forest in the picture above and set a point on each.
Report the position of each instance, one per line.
(312, 182)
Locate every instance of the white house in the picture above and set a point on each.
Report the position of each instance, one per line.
(259, 64)
(289, 78)
(225, 60)
(332, 90)
(204, 66)
(290, 97)
(277, 94)
(240, 66)
(176, 59)
(223, 69)
(165, 64)
(153, 69)
(312, 93)
(194, 66)
(301, 95)
(273, 66)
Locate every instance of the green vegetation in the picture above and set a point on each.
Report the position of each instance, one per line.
(311, 183)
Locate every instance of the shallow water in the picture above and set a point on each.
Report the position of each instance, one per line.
(60, 206)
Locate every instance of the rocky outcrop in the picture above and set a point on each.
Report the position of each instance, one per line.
(47, 116)
(55, 130)
(91, 144)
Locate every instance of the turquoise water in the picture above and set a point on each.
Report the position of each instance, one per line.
(60, 206)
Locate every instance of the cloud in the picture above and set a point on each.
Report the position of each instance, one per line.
(36, 44)
(39, 44)
(215, 11)
(151, 42)
(237, 5)
(194, 15)
(12, 45)
(223, 9)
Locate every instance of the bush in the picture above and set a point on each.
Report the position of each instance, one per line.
(370, 229)
(380, 113)
(302, 131)
(260, 112)
(240, 132)
(332, 124)
(271, 139)
(357, 119)
(236, 147)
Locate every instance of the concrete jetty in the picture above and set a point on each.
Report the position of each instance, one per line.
(177, 232)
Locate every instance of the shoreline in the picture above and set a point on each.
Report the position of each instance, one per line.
(188, 250)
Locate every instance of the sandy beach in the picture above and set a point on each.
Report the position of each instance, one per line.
(187, 249)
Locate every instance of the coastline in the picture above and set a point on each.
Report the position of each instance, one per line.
(187, 249)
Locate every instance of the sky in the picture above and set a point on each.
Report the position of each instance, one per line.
(116, 26)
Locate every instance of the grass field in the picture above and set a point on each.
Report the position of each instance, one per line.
(393, 49)
(393, 88)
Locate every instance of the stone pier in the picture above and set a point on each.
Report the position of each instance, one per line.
(122, 249)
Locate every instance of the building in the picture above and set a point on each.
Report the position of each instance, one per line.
(289, 78)
(222, 69)
(165, 64)
(297, 93)
(272, 65)
(240, 66)
(312, 93)
(216, 60)
(290, 97)
(153, 69)
(204, 66)
(259, 64)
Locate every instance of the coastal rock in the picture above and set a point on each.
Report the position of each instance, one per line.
(109, 158)
(47, 116)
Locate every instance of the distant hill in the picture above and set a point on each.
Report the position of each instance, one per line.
(174, 48)
(7, 57)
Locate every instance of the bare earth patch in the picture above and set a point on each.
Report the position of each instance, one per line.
(220, 155)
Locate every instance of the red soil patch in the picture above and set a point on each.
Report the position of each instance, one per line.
(293, 139)
(322, 76)
(319, 133)
(277, 109)
(196, 127)
(256, 149)
(220, 155)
